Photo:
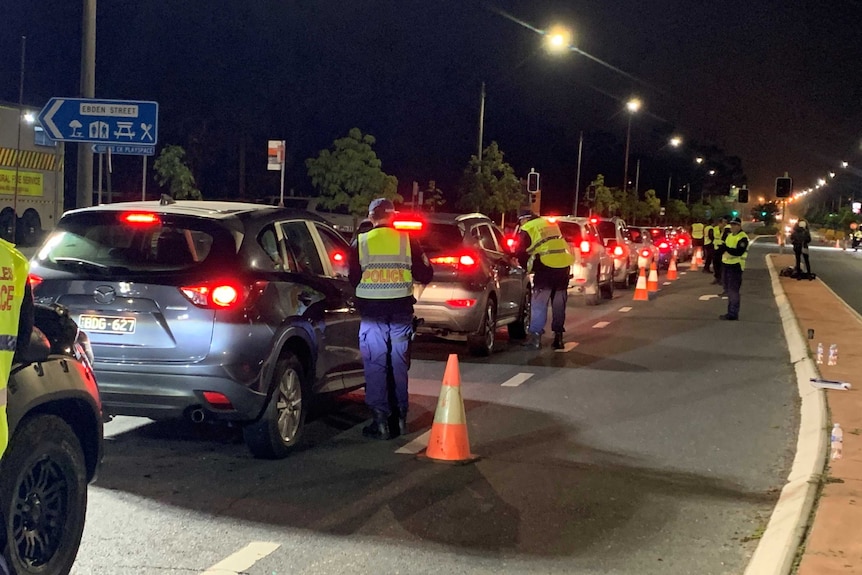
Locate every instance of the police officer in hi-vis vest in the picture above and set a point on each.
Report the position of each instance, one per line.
(384, 263)
(544, 252)
(16, 321)
(733, 264)
(708, 246)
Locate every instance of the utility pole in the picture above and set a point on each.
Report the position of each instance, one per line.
(481, 125)
(578, 177)
(84, 196)
(18, 149)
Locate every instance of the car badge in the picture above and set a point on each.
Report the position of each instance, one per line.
(104, 294)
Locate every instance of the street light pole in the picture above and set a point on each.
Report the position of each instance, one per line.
(578, 177)
(88, 90)
(633, 106)
(481, 125)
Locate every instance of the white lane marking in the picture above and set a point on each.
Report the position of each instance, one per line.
(517, 380)
(601, 324)
(625, 309)
(682, 273)
(416, 445)
(707, 297)
(666, 284)
(242, 560)
(569, 346)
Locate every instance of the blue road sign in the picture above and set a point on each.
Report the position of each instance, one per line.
(101, 121)
(124, 150)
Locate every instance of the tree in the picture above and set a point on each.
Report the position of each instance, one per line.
(677, 211)
(350, 174)
(490, 185)
(171, 170)
(605, 202)
(432, 197)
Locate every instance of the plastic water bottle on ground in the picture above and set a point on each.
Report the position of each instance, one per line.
(837, 441)
(819, 353)
(833, 354)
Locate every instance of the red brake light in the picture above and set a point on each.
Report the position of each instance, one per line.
(461, 302)
(140, 218)
(467, 261)
(217, 400)
(645, 253)
(663, 246)
(223, 294)
(681, 241)
(407, 225)
(463, 262)
(618, 251)
(552, 219)
(510, 242)
(594, 220)
(338, 257)
(585, 247)
(34, 281)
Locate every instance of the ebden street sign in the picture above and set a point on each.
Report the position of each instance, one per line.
(101, 121)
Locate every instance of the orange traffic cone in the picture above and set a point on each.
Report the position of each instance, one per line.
(837, 244)
(641, 292)
(671, 268)
(696, 260)
(652, 281)
(448, 442)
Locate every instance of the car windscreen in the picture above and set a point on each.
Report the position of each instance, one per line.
(440, 237)
(102, 241)
(608, 230)
(571, 232)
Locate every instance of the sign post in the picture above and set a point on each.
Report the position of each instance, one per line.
(275, 161)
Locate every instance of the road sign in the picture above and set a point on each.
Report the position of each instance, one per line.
(274, 155)
(101, 121)
(124, 150)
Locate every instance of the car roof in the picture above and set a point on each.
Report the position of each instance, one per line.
(215, 210)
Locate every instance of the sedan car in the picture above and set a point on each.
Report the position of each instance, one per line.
(646, 250)
(478, 285)
(220, 311)
(593, 270)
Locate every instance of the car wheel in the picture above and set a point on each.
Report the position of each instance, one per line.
(482, 342)
(607, 289)
(626, 281)
(519, 328)
(43, 489)
(594, 298)
(280, 427)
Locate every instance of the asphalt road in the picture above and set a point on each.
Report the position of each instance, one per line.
(656, 445)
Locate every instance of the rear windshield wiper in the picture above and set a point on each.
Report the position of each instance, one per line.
(90, 266)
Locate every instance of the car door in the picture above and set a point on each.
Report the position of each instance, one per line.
(508, 277)
(325, 302)
(342, 323)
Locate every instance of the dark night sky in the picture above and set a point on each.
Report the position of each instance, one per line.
(776, 83)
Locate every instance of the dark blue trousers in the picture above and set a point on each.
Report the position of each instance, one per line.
(385, 344)
(732, 284)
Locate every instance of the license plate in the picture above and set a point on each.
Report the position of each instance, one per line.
(106, 324)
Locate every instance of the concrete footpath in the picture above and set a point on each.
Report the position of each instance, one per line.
(832, 544)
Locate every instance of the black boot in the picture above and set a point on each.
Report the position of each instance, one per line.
(378, 428)
(558, 340)
(402, 424)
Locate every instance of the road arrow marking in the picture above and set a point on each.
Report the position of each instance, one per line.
(516, 380)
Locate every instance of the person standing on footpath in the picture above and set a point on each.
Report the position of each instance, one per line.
(800, 237)
(384, 263)
(708, 246)
(543, 251)
(733, 264)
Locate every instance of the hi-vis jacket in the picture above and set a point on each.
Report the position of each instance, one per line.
(13, 277)
(736, 249)
(697, 230)
(385, 259)
(709, 232)
(547, 243)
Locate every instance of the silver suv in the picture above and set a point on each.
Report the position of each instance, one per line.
(478, 285)
(615, 236)
(593, 270)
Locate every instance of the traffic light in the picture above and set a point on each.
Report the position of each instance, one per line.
(734, 213)
(743, 196)
(532, 182)
(783, 187)
(536, 202)
(763, 214)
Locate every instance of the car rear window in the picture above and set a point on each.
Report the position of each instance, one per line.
(571, 231)
(91, 241)
(608, 230)
(442, 237)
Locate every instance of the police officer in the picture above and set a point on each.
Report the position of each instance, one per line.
(384, 264)
(708, 246)
(733, 264)
(697, 236)
(544, 252)
(719, 232)
(16, 321)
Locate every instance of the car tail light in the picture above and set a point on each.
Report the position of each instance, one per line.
(140, 218)
(585, 247)
(663, 246)
(510, 242)
(223, 294)
(338, 258)
(463, 262)
(408, 225)
(618, 251)
(461, 302)
(594, 220)
(551, 219)
(217, 400)
(645, 253)
(681, 241)
(34, 281)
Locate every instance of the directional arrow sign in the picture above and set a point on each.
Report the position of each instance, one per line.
(101, 121)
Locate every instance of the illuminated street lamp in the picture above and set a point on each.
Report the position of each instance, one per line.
(675, 141)
(632, 106)
(698, 160)
(844, 164)
(558, 39)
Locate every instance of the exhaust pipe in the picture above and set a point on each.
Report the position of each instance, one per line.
(197, 415)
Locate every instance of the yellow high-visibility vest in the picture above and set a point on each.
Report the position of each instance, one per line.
(547, 243)
(697, 230)
(731, 242)
(706, 239)
(386, 261)
(13, 278)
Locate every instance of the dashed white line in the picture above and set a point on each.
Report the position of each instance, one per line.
(416, 445)
(242, 560)
(626, 309)
(517, 380)
(601, 324)
(666, 284)
(567, 347)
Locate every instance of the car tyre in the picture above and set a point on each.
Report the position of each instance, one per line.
(595, 297)
(626, 281)
(519, 328)
(607, 289)
(280, 427)
(482, 342)
(43, 492)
